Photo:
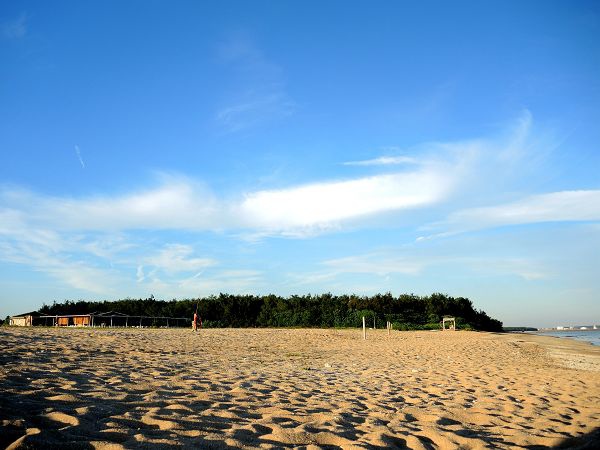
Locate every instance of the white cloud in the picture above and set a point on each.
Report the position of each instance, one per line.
(78, 153)
(317, 278)
(524, 268)
(379, 268)
(450, 175)
(376, 264)
(176, 204)
(441, 172)
(326, 205)
(240, 273)
(76, 239)
(140, 274)
(16, 28)
(176, 258)
(383, 161)
(563, 206)
(258, 95)
(82, 276)
(200, 284)
(48, 252)
(255, 108)
(519, 139)
(180, 204)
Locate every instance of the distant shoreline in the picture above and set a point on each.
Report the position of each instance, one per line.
(564, 331)
(588, 336)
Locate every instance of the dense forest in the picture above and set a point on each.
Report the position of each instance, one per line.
(406, 312)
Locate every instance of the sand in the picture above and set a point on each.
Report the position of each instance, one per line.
(256, 388)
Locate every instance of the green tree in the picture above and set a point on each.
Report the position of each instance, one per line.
(407, 311)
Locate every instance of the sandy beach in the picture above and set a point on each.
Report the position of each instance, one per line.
(267, 388)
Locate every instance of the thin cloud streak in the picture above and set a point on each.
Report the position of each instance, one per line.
(176, 204)
(16, 28)
(383, 161)
(50, 253)
(412, 263)
(376, 264)
(562, 206)
(259, 94)
(78, 152)
(200, 284)
(176, 258)
(255, 109)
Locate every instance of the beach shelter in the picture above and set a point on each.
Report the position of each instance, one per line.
(24, 320)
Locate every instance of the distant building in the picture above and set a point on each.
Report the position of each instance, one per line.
(96, 319)
(24, 320)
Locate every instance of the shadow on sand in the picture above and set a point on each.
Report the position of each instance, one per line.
(588, 441)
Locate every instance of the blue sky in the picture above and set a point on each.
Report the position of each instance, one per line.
(183, 149)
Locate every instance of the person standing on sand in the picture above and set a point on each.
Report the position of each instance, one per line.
(195, 322)
(196, 319)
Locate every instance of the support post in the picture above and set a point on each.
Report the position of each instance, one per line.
(364, 329)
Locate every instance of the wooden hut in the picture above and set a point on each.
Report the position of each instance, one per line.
(24, 320)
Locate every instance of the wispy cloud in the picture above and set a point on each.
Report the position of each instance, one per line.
(177, 203)
(79, 239)
(238, 281)
(258, 95)
(15, 28)
(445, 174)
(376, 264)
(383, 161)
(563, 206)
(177, 258)
(325, 205)
(412, 263)
(139, 274)
(527, 269)
(78, 153)
(519, 139)
(254, 109)
(57, 256)
(180, 203)
(202, 283)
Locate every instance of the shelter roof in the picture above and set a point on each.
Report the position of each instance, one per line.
(111, 313)
(32, 313)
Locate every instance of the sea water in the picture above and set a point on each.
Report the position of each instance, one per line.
(591, 336)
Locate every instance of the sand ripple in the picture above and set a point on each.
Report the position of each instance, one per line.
(118, 388)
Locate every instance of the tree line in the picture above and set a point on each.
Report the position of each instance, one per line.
(405, 312)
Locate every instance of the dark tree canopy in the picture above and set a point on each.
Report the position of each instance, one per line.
(406, 312)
